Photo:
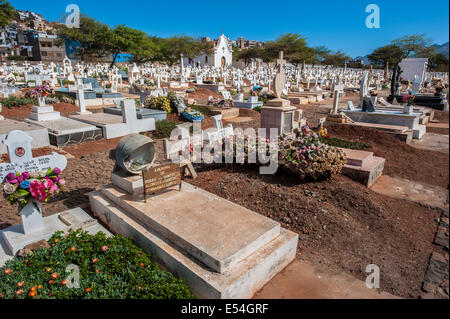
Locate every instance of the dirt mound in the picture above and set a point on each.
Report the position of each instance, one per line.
(402, 160)
(341, 224)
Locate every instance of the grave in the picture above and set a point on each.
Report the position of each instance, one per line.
(34, 227)
(38, 133)
(251, 103)
(368, 113)
(64, 131)
(278, 113)
(115, 125)
(363, 166)
(221, 249)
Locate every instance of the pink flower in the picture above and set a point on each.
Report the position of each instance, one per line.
(20, 178)
(405, 98)
(10, 177)
(104, 248)
(62, 182)
(56, 171)
(37, 190)
(26, 175)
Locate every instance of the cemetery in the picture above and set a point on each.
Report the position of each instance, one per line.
(218, 176)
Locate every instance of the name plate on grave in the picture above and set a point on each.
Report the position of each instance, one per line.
(161, 177)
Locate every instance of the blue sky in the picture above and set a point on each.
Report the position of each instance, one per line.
(335, 24)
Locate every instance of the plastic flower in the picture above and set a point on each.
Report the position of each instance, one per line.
(25, 184)
(56, 171)
(9, 188)
(26, 175)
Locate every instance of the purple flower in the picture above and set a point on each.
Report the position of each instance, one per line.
(56, 171)
(20, 178)
(26, 175)
(10, 177)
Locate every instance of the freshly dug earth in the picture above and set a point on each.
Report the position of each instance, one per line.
(402, 160)
(341, 224)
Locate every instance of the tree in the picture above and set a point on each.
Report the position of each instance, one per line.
(391, 54)
(170, 49)
(416, 43)
(123, 39)
(321, 52)
(336, 59)
(7, 13)
(248, 55)
(94, 37)
(439, 62)
(294, 47)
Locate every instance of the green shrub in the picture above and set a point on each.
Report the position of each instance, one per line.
(109, 268)
(14, 101)
(16, 58)
(332, 141)
(257, 109)
(163, 129)
(67, 82)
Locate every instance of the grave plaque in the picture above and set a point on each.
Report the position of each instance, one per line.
(161, 177)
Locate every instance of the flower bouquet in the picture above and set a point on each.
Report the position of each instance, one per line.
(27, 187)
(373, 93)
(409, 99)
(40, 92)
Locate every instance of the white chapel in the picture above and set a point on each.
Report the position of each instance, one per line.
(222, 55)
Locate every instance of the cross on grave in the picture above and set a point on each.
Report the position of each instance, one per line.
(337, 90)
(21, 160)
(220, 131)
(280, 61)
(177, 148)
(81, 101)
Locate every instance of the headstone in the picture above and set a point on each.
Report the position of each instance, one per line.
(81, 101)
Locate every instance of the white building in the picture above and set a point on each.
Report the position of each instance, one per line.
(221, 56)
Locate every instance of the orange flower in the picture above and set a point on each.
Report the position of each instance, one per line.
(8, 271)
(56, 240)
(142, 264)
(88, 289)
(64, 282)
(33, 288)
(19, 292)
(94, 260)
(40, 287)
(55, 275)
(48, 269)
(97, 271)
(2, 295)
(32, 293)
(21, 284)
(73, 248)
(50, 282)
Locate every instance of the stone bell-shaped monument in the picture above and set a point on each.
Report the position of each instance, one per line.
(278, 113)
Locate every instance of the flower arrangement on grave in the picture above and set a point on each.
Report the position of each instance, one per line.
(26, 187)
(373, 93)
(223, 104)
(159, 103)
(323, 132)
(192, 115)
(303, 154)
(409, 99)
(108, 85)
(42, 90)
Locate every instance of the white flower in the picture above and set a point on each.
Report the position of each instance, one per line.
(9, 188)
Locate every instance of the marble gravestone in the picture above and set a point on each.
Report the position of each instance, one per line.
(21, 160)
